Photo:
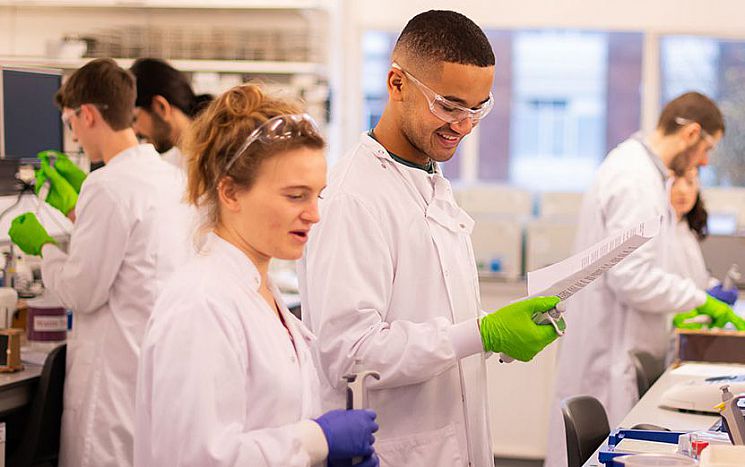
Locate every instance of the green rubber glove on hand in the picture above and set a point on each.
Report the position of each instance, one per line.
(679, 320)
(61, 194)
(26, 232)
(65, 167)
(511, 329)
(719, 312)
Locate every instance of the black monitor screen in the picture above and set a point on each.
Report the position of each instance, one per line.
(31, 120)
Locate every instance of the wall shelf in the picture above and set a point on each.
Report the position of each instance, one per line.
(218, 66)
(180, 4)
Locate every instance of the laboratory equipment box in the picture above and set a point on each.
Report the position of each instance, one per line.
(712, 345)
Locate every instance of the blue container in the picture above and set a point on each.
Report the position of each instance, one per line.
(608, 453)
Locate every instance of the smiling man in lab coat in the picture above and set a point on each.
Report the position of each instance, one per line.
(631, 307)
(389, 282)
(130, 232)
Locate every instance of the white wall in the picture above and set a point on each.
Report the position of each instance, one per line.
(694, 16)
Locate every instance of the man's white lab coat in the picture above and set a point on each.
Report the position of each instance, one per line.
(387, 272)
(131, 231)
(630, 307)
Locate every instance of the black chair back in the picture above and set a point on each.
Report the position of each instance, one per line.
(586, 427)
(41, 436)
(648, 369)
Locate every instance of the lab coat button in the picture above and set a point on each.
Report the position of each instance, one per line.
(462, 226)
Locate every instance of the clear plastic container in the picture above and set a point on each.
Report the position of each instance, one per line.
(655, 460)
(723, 456)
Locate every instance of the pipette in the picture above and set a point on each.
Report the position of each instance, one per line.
(733, 276)
(357, 392)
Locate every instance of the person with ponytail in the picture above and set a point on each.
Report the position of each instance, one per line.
(688, 260)
(165, 106)
(226, 376)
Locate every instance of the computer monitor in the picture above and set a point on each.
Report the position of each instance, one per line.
(29, 120)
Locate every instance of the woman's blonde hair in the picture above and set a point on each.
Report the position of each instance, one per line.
(220, 130)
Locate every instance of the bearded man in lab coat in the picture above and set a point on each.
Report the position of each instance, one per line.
(165, 107)
(389, 282)
(630, 308)
(131, 230)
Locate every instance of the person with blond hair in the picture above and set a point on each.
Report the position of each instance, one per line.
(226, 375)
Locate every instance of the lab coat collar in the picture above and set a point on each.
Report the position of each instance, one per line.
(379, 151)
(235, 260)
(434, 189)
(131, 152)
(656, 160)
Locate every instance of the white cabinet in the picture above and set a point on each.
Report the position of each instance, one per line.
(520, 394)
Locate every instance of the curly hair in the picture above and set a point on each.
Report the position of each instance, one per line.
(219, 131)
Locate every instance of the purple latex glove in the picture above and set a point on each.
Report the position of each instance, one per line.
(349, 433)
(370, 461)
(728, 296)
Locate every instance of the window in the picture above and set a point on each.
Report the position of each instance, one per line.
(558, 108)
(715, 67)
(376, 48)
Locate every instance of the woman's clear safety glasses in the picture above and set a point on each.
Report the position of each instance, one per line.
(279, 128)
(447, 110)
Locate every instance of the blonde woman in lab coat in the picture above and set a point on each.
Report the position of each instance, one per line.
(226, 377)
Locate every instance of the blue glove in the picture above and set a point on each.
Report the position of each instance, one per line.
(728, 296)
(349, 433)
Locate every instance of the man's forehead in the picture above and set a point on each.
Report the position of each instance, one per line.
(468, 85)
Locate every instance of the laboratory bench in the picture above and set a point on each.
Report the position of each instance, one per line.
(647, 410)
(16, 389)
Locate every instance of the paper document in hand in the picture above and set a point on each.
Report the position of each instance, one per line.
(568, 277)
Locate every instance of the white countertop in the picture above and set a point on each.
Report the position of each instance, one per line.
(648, 411)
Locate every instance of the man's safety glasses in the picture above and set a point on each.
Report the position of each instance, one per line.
(279, 128)
(445, 109)
(76, 111)
(704, 134)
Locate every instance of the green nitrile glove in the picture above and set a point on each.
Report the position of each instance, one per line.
(65, 167)
(679, 320)
(26, 232)
(729, 317)
(511, 329)
(719, 312)
(716, 309)
(61, 194)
